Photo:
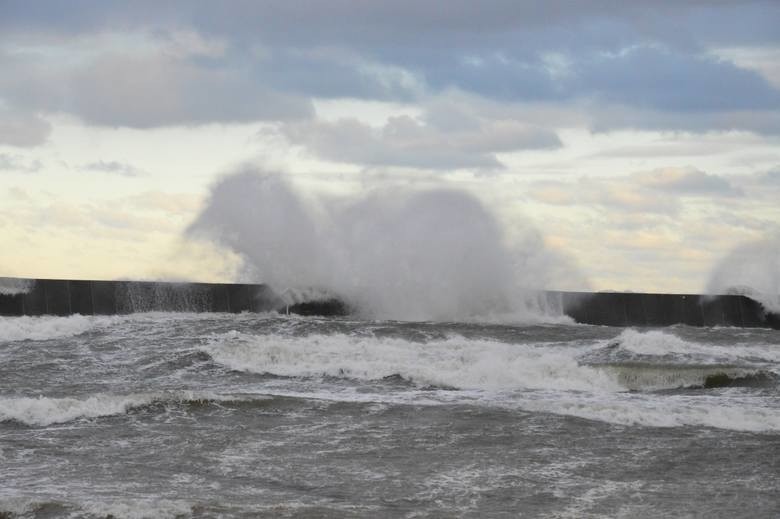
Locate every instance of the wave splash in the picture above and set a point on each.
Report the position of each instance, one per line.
(751, 269)
(437, 254)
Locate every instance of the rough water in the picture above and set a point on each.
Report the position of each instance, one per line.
(220, 415)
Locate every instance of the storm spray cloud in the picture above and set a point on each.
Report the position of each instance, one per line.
(752, 269)
(437, 254)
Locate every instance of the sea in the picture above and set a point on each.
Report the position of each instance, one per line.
(266, 415)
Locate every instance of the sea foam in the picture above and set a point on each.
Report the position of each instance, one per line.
(41, 328)
(543, 377)
(455, 362)
(660, 343)
(48, 410)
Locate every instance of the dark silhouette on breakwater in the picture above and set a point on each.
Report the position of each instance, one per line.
(86, 297)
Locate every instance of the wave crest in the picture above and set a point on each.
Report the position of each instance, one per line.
(42, 411)
(46, 327)
(454, 362)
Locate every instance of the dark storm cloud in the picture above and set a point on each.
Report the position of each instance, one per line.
(148, 90)
(638, 64)
(444, 23)
(667, 81)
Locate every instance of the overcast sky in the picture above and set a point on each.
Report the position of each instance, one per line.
(641, 138)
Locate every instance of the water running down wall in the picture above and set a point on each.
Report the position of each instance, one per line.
(86, 297)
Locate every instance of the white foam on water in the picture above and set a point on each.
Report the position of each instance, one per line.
(539, 378)
(137, 509)
(41, 328)
(733, 413)
(659, 343)
(44, 411)
(454, 362)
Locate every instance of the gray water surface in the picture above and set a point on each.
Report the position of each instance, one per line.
(209, 415)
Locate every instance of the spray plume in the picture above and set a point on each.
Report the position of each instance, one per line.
(437, 254)
(751, 269)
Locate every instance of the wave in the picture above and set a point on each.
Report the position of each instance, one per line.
(461, 363)
(739, 414)
(43, 411)
(455, 362)
(660, 343)
(653, 377)
(42, 328)
(125, 508)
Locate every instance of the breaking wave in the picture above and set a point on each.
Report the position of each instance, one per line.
(533, 377)
(454, 362)
(672, 411)
(42, 411)
(49, 327)
(657, 343)
(483, 364)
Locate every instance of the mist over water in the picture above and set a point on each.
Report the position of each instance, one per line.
(437, 254)
(752, 269)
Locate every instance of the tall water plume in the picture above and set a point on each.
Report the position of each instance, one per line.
(751, 269)
(437, 254)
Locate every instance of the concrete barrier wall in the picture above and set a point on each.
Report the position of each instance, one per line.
(66, 297)
(636, 309)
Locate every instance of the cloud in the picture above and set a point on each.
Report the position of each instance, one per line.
(610, 194)
(764, 60)
(23, 129)
(155, 91)
(656, 78)
(344, 22)
(15, 163)
(143, 88)
(435, 141)
(654, 192)
(770, 178)
(173, 204)
(334, 73)
(628, 65)
(687, 181)
(113, 167)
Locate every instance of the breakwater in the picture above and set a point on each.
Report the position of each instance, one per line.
(641, 309)
(88, 297)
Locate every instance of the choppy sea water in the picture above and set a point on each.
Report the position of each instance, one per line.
(212, 415)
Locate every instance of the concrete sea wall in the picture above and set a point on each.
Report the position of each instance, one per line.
(639, 309)
(86, 297)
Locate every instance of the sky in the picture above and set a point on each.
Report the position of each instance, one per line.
(641, 139)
